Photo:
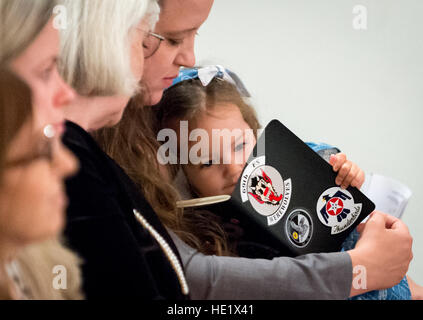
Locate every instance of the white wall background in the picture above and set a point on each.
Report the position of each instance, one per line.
(362, 91)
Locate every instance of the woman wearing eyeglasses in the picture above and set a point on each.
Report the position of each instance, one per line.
(33, 164)
(175, 33)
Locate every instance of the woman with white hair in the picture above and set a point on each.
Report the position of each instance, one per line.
(126, 250)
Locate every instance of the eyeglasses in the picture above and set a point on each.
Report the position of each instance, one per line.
(152, 43)
(45, 149)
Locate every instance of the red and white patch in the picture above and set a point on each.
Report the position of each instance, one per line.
(334, 206)
(336, 209)
(268, 193)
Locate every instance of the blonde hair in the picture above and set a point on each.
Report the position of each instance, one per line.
(20, 23)
(95, 57)
(37, 263)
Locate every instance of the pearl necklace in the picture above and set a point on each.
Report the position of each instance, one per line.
(173, 259)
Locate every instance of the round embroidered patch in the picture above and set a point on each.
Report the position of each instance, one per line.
(268, 193)
(299, 228)
(336, 209)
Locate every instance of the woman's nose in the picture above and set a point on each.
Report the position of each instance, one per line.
(64, 94)
(186, 55)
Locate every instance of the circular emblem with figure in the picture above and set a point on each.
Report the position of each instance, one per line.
(336, 209)
(299, 228)
(265, 189)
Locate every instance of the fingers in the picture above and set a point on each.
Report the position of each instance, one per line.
(390, 222)
(381, 220)
(384, 221)
(377, 218)
(351, 174)
(360, 228)
(332, 159)
(337, 160)
(396, 224)
(348, 172)
(359, 179)
(345, 175)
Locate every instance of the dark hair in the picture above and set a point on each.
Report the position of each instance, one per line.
(189, 98)
(15, 109)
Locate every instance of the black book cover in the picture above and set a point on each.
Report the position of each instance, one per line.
(287, 199)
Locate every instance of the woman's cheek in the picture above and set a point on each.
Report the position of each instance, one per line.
(39, 199)
(41, 106)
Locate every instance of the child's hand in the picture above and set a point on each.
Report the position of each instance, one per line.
(349, 174)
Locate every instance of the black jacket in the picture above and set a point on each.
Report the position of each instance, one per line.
(120, 257)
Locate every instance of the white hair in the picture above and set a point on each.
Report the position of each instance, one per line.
(96, 56)
(20, 23)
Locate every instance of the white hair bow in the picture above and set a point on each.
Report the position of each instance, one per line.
(208, 73)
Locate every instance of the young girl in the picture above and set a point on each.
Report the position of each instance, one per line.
(218, 104)
(212, 98)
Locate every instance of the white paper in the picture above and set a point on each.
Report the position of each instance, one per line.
(389, 195)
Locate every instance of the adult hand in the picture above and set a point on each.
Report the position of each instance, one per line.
(384, 250)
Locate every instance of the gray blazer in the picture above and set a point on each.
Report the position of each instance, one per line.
(312, 276)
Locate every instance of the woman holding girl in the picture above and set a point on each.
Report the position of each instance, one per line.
(133, 145)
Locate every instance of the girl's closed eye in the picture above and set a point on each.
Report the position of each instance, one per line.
(240, 146)
(206, 164)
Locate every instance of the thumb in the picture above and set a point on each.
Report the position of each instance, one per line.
(377, 219)
(391, 222)
(360, 227)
